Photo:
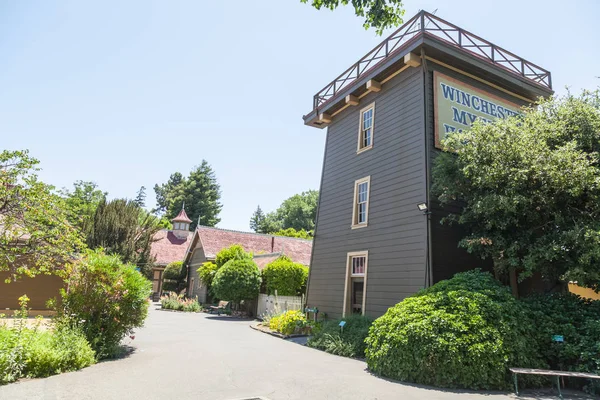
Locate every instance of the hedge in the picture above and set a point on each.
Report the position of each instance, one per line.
(285, 276)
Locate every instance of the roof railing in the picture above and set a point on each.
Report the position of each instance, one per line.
(425, 23)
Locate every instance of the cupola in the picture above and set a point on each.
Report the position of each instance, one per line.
(181, 224)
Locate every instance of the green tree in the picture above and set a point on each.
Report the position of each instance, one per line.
(35, 233)
(199, 191)
(291, 232)
(82, 203)
(175, 277)
(121, 227)
(208, 270)
(237, 280)
(271, 223)
(379, 14)
(530, 190)
(233, 252)
(257, 219)
(207, 273)
(298, 212)
(285, 276)
(165, 190)
(140, 198)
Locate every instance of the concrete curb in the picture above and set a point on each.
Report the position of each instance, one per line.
(268, 331)
(177, 311)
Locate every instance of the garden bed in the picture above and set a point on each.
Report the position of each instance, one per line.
(265, 329)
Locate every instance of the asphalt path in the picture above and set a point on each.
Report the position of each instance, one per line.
(198, 356)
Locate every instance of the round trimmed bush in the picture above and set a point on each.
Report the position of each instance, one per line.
(233, 252)
(464, 332)
(175, 277)
(237, 280)
(285, 276)
(175, 271)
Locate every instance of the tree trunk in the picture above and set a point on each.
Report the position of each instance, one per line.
(514, 284)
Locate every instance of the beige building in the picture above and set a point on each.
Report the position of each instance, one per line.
(169, 246)
(208, 241)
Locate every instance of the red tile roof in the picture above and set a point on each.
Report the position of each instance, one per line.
(168, 247)
(215, 239)
(182, 217)
(263, 260)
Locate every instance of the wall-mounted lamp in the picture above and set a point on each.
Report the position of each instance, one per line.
(423, 207)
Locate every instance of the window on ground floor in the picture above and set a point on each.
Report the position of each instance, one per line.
(355, 293)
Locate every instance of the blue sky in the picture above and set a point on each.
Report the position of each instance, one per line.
(126, 93)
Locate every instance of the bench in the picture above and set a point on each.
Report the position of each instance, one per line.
(221, 307)
(547, 372)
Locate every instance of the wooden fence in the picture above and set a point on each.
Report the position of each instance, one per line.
(277, 304)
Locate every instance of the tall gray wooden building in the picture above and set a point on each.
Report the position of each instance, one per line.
(385, 118)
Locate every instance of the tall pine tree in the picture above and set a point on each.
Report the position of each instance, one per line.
(199, 191)
(140, 198)
(121, 227)
(257, 219)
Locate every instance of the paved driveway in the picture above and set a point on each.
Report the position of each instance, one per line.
(196, 356)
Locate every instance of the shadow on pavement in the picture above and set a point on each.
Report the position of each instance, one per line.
(527, 394)
(124, 352)
(228, 318)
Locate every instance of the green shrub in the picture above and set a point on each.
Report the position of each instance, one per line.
(61, 350)
(107, 299)
(190, 305)
(13, 355)
(461, 333)
(233, 252)
(175, 277)
(173, 301)
(348, 343)
(30, 352)
(292, 321)
(578, 321)
(237, 280)
(285, 276)
(13, 345)
(170, 301)
(207, 273)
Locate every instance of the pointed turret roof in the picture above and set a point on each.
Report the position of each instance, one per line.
(182, 217)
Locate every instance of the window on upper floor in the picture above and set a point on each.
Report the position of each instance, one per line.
(365, 131)
(360, 214)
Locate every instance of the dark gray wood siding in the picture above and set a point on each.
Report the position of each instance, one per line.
(447, 257)
(396, 233)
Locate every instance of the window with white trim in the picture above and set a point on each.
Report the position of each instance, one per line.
(365, 130)
(360, 214)
(356, 283)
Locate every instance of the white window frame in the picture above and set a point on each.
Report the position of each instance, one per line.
(360, 148)
(348, 281)
(355, 223)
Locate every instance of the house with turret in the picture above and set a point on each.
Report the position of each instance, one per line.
(169, 246)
